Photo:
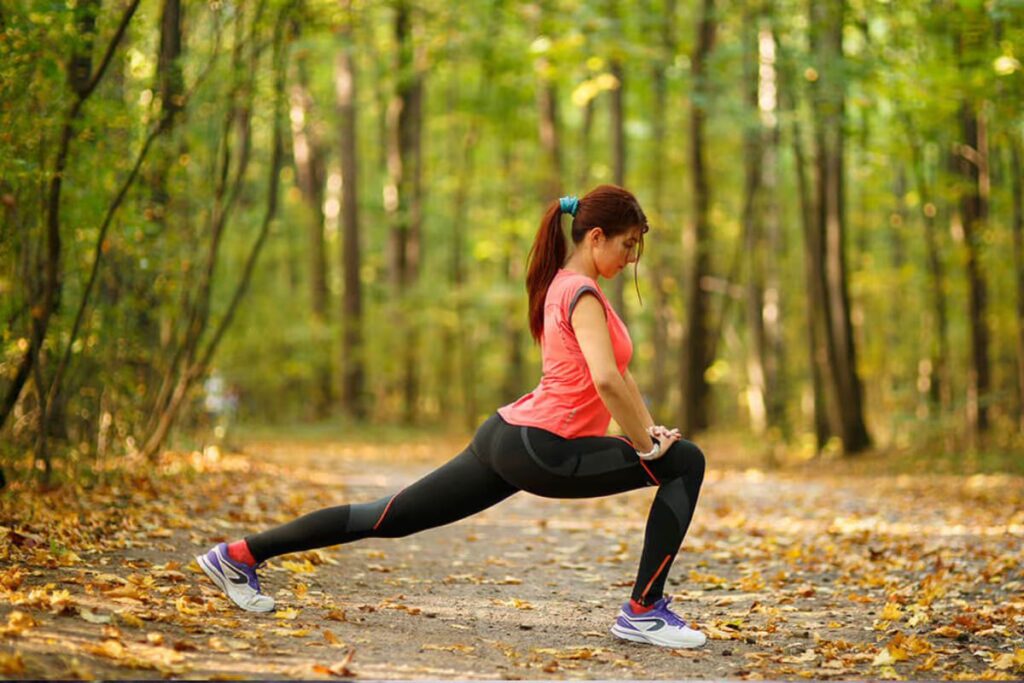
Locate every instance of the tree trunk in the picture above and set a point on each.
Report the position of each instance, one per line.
(1017, 190)
(618, 126)
(813, 261)
(307, 155)
(772, 311)
(352, 356)
(694, 387)
(660, 273)
(842, 381)
(547, 107)
(753, 231)
(171, 87)
(513, 383)
(403, 198)
(971, 163)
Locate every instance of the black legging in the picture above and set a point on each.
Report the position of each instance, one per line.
(501, 460)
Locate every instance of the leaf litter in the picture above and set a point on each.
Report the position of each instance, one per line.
(789, 574)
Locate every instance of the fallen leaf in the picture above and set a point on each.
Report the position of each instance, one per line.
(290, 613)
(11, 664)
(94, 618)
(947, 632)
(448, 648)
(340, 669)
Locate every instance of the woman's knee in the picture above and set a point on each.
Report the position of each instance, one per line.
(686, 460)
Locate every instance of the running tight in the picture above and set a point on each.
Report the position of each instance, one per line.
(501, 460)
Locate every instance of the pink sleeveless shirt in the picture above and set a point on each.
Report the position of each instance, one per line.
(566, 401)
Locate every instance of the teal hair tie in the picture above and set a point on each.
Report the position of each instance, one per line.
(569, 205)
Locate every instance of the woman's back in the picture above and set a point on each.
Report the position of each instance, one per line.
(566, 401)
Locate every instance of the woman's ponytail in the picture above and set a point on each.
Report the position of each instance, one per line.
(546, 256)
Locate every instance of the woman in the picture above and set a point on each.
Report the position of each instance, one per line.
(550, 442)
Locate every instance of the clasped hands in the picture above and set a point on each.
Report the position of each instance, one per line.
(663, 438)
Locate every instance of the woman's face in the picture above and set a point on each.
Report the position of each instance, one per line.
(612, 254)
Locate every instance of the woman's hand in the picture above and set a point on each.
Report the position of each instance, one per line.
(665, 436)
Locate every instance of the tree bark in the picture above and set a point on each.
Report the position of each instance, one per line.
(813, 260)
(403, 197)
(695, 361)
(1017, 190)
(352, 357)
(307, 155)
(842, 381)
(659, 128)
(618, 126)
(753, 229)
(972, 164)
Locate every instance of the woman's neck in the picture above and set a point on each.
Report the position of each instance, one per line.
(578, 264)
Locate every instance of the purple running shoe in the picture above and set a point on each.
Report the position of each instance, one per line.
(238, 581)
(657, 626)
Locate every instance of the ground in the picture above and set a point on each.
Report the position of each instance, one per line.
(819, 572)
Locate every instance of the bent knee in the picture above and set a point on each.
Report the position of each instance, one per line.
(687, 459)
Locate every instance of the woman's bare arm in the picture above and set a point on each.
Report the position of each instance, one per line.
(588, 320)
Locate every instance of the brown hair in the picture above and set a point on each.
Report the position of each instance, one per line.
(614, 209)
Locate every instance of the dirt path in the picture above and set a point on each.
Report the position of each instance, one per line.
(791, 575)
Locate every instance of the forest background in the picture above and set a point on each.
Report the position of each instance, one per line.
(327, 208)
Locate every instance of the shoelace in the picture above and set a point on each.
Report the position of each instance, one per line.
(672, 618)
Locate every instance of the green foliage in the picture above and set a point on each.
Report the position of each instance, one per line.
(482, 64)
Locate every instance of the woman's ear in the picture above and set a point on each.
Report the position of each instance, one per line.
(597, 233)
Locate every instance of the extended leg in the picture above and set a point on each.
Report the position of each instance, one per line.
(459, 488)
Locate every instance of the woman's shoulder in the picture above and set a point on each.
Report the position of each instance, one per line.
(569, 286)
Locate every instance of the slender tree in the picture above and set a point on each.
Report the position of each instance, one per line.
(695, 358)
(308, 159)
(972, 165)
(842, 381)
(352, 356)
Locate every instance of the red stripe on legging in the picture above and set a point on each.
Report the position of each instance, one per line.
(642, 463)
(663, 563)
(383, 514)
(649, 473)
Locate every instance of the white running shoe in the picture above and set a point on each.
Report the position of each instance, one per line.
(238, 581)
(657, 626)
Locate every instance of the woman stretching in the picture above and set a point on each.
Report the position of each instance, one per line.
(551, 442)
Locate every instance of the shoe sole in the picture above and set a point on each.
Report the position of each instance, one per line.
(647, 639)
(219, 581)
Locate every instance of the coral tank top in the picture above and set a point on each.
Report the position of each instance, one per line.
(566, 401)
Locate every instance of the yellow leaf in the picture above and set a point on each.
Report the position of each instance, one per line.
(130, 592)
(890, 655)
(110, 649)
(928, 664)
(129, 619)
(892, 612)
(11, 664)
(17, 623)
(290, 613)
(187, 609)
(304, 567)
(331, 638)
(61, 602)
(514, 602)
(1008, 661)
(947, 632)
